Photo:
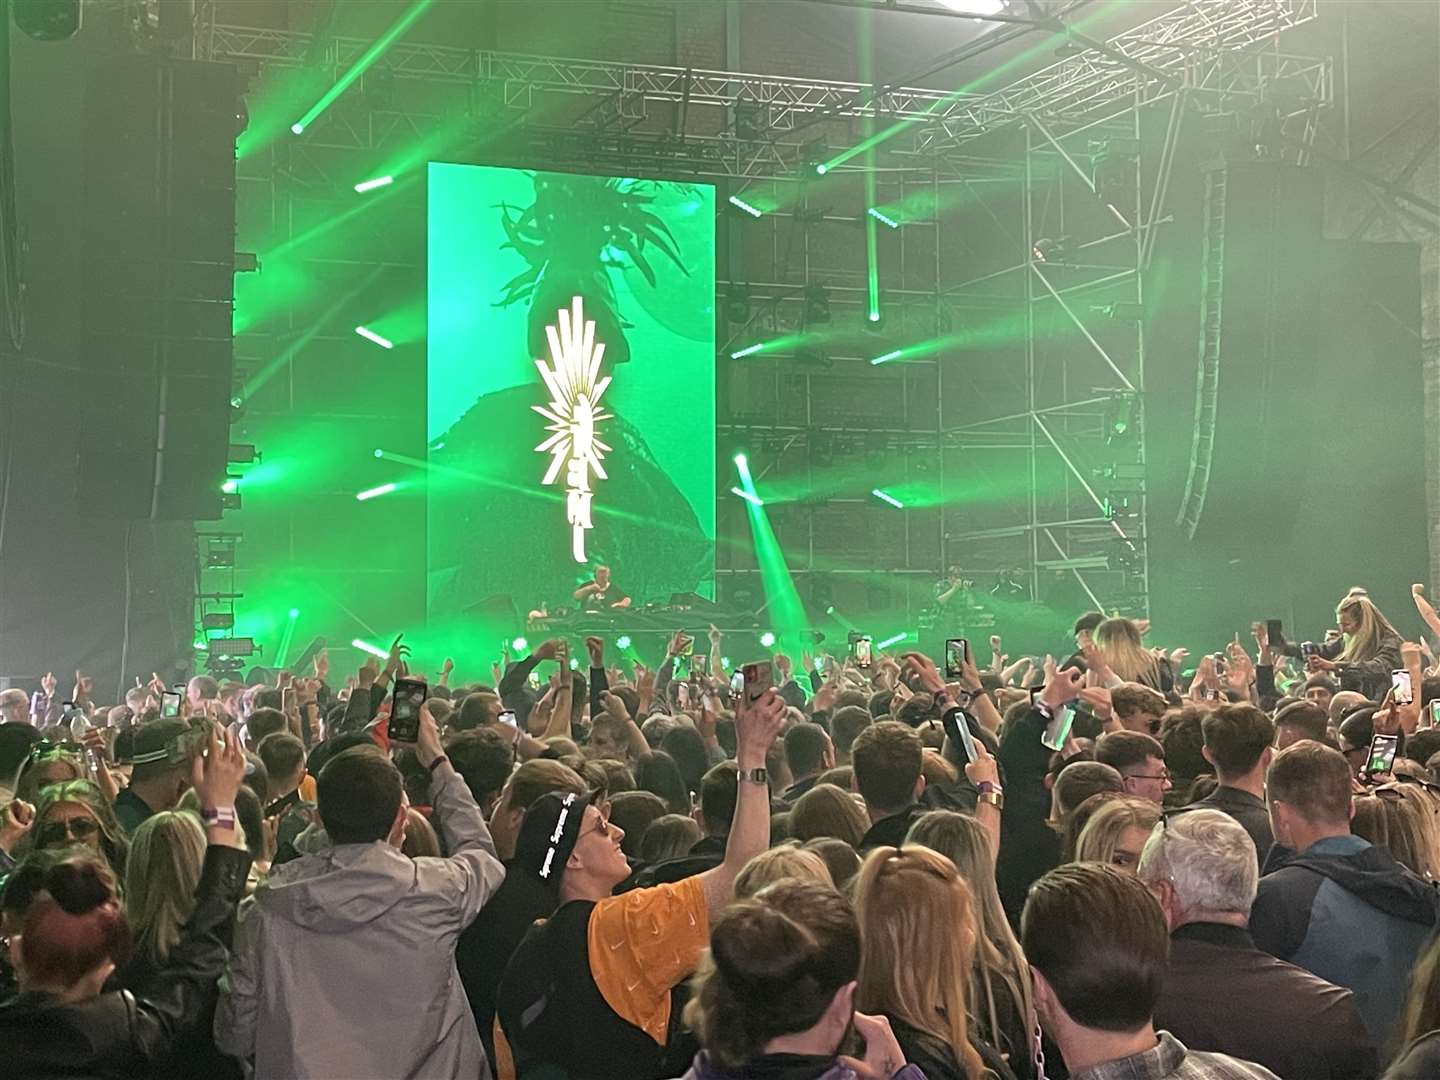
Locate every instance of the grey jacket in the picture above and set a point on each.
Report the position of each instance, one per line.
(344, 960)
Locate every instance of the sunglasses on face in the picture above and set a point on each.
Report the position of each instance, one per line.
(57, 832)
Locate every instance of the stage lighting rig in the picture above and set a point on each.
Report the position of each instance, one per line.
(817, 305)
(1054, 249)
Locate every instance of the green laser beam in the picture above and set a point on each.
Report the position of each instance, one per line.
(362, 64)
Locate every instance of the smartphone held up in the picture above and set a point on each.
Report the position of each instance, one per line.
(409, 697)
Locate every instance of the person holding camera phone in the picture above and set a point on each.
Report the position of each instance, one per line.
(1362, 654)
(334, 936)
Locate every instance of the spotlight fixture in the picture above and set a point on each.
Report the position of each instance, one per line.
(745, 207)
(1121, 418)
(1054, 249)
(883, 218)
(520, 645)
(241, 453)
(886, 497)
(218, 620)
(623, 641)
(767, 640)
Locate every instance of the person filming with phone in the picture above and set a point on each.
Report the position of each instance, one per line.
(344, 965)
(1361, 656)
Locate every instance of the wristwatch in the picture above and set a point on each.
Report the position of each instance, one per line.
(991, 793)
(755, 776)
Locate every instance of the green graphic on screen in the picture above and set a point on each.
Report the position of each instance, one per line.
(571, 387)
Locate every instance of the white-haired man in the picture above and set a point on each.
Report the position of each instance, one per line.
(1221, 992)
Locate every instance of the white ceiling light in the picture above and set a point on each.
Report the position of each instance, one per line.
(975, 7)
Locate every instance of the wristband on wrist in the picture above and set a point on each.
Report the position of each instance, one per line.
(220, 817)
(437, 763)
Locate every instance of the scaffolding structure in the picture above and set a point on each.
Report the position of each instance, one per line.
(1089, 207)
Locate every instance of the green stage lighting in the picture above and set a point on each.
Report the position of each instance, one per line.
(520, 644)
(371, 185)
(888, 498)
(892, 640)
(366, 647)
(741, 204)
(294, 613)
(882, 217)
(623, 641)
(750, 351)
(767, 640)
(375, 492)
(370, 335)
(230, 487)
(362, 64)
(893, 354)
(747, 496)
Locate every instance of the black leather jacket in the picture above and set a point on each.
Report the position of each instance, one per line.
(118, 1034)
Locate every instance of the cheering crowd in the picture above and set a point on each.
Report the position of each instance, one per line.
(1114, 865)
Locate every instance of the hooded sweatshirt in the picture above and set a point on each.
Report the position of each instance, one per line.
(344, 961)
(1347, 911)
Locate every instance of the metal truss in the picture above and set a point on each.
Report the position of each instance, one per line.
(732, 124)
(1208, 47)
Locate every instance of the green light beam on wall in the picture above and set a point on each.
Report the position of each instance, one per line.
(362, 64)
(894, 640)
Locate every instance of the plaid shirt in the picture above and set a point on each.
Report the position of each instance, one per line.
(1169, 1060)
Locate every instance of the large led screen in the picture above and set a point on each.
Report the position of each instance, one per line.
(571, 387)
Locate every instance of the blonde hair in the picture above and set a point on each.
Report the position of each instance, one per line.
(917, 935)
(784, 863)
(1365, 642)
(828, 810)
(997, 955)
(1119, 641)
(1101, 835)
(166, 854)
(1399, 817)
(420, 840)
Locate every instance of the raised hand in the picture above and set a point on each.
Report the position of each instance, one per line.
(596, 648)
(48, 684)
(218, 774)
(883, 1056)
(1061, 687)
(322, 664)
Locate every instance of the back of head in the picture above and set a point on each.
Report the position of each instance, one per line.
(1207, 861)
(265, 722)
(887, 758)
(484, 759)
(805, 748)
(1119, 640)
(1090, 621)
(775, 964)
(787, 862)
(1344, 703)
(540, 777)
(1358, 728)
(657, 773)
(475, 710)
(1398, 817)
(917, 934)
(633, 811)
(668, 837)
(1098, 939)
(15, 743)
(75, 924)
(826, 810)
(846, 724)
(686, 746)
(719, 791)
(1081, 779)
(1313, 780)
(1182, 738)
(203, 688)
(161, 874)
(1125, 749)
(359, 794)
(1236, 737)
(1133, 698)
(283, 754)
(1307, 718)
(839, 858)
